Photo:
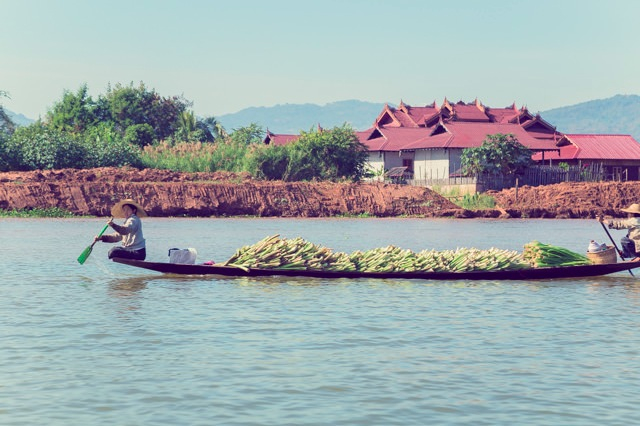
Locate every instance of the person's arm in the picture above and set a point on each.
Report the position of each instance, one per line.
(111, 238)
(128, 227)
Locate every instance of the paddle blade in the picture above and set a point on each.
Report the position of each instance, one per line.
(85, 254)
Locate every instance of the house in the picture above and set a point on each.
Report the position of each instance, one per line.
(424, 144)
(618, 155)
(428, 141)
(279, 140)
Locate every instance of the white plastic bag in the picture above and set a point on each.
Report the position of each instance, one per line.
(185, 256)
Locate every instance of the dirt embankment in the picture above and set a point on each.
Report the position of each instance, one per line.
(167, 193)
(569, 199)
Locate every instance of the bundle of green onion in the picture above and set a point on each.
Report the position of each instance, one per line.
(541, 255)
(298, 254)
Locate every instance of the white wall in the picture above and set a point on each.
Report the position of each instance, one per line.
(431, 164)
(392, 159)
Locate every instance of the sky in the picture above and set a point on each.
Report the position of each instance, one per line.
(224, 56)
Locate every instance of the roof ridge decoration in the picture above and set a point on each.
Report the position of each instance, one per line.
(480, 106)
(390, 113)
(439, 128)
(447, 105)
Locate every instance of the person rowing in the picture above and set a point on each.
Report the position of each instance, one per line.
(129, 233)
(631, 242)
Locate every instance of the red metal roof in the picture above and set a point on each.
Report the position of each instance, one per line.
(420, 114)
(279, 140)
(458, 135)
(595, 147)
(469, 135)
(473, 112)
(504, 115)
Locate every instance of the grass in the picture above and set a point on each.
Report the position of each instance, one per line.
(475, 201)
(36, 212)
(363, 215)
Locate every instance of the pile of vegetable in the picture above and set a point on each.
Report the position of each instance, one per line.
(541, 255)
(274, 252)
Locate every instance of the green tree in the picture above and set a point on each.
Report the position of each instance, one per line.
(129, 105)
(499, 154)
(251, 134)
(187, 130)
(211, 129)
(7, 127)
(74, 113)
(326, 155)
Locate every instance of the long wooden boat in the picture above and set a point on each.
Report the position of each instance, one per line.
(520, 274)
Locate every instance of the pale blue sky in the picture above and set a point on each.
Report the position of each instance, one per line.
(229, 55)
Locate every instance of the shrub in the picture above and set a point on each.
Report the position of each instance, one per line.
(139, 134)
(38, 147)
(106, 148)
(268, 162)
(327, 155)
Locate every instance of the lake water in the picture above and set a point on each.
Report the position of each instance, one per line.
(106, 344)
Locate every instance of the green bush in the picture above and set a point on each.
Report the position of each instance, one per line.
(139, 134)
(268, 162)
(106, 148)
(36, 212)
(326, 155)
(4, 154)
(39, 147)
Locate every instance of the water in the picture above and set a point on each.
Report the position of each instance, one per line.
(106, 344)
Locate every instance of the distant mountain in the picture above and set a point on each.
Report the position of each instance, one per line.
(18, 119)
(292, 118)
(619, 115)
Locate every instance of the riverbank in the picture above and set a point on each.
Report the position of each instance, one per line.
(169, 194)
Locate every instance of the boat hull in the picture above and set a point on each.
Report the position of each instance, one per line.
(521, 274)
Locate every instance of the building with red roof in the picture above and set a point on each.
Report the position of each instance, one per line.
(618, 154)
(426, 142)
(279, 140)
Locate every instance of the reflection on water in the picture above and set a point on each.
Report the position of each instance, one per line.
(127, 287)
(104, 343)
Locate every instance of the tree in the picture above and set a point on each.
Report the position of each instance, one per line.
(211, 129)
(251, 134)
(129, 105)
(7, 127)
(74, 113)
(499, 154)
(326, 155)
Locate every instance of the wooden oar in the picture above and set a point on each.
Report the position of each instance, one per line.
(85, 254)
(615, 245)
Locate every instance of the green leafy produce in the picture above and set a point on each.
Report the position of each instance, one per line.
(542, 255)
(298, 254)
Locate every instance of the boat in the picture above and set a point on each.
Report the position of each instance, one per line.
(580, 271)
